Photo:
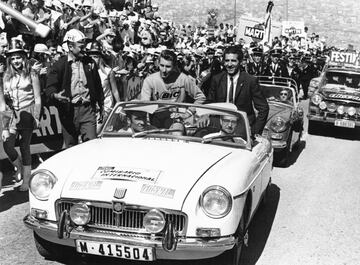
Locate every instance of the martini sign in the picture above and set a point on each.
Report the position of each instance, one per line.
(256, 32)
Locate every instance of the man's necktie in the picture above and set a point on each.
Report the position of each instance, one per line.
(231, 91)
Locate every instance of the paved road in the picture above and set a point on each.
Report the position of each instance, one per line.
(313, 215)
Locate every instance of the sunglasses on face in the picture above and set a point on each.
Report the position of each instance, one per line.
(283, 94)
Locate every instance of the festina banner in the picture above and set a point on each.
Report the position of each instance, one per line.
(346, 58)
(293, 28)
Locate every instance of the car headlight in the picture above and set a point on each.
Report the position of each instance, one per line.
(332, 107)
(322, 105)
(316, 99)
(351, 111)
(41, 184)
(154, 221)
(80, 213)
(278, 124)
(340, 110)
(216, 202)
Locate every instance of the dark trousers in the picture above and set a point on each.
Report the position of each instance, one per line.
(305, 86)
(82, 124)
(24, 144)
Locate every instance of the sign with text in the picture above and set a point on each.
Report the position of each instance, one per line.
(293, 28)
(345, 58)
(48, 137)
(257, 32)
(252, 29)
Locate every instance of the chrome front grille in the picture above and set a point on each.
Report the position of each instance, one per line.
(130, 220)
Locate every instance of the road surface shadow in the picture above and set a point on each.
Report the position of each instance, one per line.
(260, 227)
(259, 231)
(293, 156)
(10, 197)
(327, 130)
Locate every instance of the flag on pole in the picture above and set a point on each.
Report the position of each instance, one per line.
(267, 23)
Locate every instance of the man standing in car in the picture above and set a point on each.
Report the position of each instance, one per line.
(240, 88)
(170, 84)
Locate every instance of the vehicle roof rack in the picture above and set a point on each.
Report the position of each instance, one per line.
(342, 66)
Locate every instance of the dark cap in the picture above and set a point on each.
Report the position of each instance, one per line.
(257, 52)
(95, 48)
(276, 52)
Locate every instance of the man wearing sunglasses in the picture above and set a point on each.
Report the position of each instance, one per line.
(284, 96)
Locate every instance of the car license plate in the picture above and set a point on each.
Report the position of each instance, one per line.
(115, 250)
(345, 123)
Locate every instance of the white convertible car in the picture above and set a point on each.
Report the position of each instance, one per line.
(154, 186)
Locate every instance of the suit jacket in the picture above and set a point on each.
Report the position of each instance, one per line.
(247, 96)
(59, 78)
(258, 69)
(280, 71)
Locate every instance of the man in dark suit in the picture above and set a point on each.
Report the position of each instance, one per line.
(257, 66)
(240, 88)
(307, 72)
(74, 85)
(276, 67)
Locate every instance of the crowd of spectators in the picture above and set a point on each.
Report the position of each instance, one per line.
(131, 38)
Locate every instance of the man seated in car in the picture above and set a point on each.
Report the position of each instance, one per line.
(229, 130)
(137, 121)
(284, 96)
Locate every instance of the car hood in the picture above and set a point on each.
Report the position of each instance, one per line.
(139, 170)
(279, 110)
(336, 92)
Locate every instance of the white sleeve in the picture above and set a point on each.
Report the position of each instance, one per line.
(194, 91)
(146, 90)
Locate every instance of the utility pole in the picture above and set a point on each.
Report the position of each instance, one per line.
(287, 10)
(234, 13)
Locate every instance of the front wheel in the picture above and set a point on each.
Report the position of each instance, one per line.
(282, 158)
(234, 256)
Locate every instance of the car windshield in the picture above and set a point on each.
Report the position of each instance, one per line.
(278, 94)
(344, 79)
(225, 125)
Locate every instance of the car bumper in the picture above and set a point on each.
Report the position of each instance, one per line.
(329, 120)
(278, 145)
(187, 248)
